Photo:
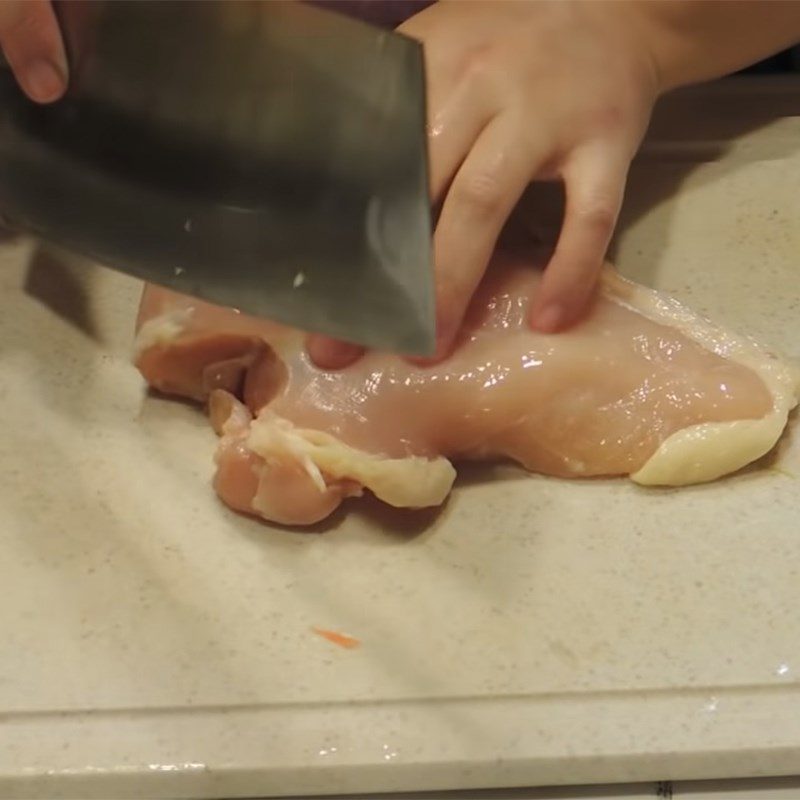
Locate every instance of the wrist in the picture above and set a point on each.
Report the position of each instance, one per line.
(689, 41)
(654, 28)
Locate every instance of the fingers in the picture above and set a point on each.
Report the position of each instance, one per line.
(329, 353)
(595, 183)
(32, 44)
(462, 96)
(461, 102)
(486, 187)
(454, 124)
(482, 195)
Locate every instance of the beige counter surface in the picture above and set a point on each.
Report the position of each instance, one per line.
(535, 632)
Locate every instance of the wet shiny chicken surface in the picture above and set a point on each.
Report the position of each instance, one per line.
(597, 400)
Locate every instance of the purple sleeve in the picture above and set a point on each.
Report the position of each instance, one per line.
(386, 13)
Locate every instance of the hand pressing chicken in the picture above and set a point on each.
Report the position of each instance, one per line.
(529, 90)
(518, 90)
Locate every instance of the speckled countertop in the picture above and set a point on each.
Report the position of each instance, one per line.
(534, 632)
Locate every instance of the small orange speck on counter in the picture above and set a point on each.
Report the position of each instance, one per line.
(342, 639)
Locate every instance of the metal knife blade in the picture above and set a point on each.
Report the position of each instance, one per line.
(269, 156)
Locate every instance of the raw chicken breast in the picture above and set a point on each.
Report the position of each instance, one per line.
(642, 387)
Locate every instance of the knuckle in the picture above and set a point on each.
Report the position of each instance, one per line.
(480, 192)
(476, 65)
(598, 213)
(609, 118)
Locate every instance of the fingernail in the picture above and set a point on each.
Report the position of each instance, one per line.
(43, 81)
(346, 353)
(331, 354)
(549, 319)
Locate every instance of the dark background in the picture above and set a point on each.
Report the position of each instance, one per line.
(787, 61)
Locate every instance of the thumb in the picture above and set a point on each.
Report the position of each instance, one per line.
(32, 44)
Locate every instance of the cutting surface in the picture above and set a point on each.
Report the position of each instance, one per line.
(533, 631)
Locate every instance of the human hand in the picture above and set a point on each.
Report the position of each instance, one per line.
(32, 44)
(520, 91)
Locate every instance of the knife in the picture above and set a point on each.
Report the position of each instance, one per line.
(269, 156)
